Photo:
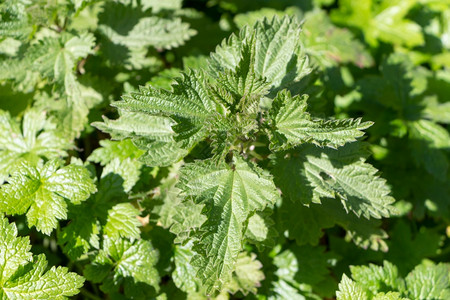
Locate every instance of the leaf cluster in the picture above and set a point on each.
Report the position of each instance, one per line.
(224, 149)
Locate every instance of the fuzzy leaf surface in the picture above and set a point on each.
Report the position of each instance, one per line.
(31, 140)
(25, 276)
(292, 125)
(341, 174)
(124, 263)
(231, 193)
(43, 192)
(278, 53)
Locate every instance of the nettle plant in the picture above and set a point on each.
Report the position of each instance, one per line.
(249, 147)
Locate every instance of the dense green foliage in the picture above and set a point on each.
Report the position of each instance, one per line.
(224, 149)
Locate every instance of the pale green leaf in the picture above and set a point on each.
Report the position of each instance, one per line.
(129, 169)
(26, 277)
(349, 290)
(42, 193)
(85, 228)
(184, 273)
(231, 193)
(428, 142)
(378, 278)
(381, 21)
(110, 150)
(437, 112)
(158, 6)
(187, 219)
(9, 46)
(278, 54)
(138, 124)
(168, 202)
(122, 221)
(161, 153)
(124, 263)
(55, 58)
(132, 27)
(260, 230)
(30, 141)
(292, 125)
(389, 296)
(247, 276)
(429, 282)
(119, 157)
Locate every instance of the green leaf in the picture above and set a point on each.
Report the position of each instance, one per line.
(423, 242)
(136, 124)
(278, 55)
(243, 83)
(341, 174)
(231, 193)
(325, 43)
(222, 106)
(437, 112)
(71, 111)
(121, 263)
(298, 270)
(158, 6)
(329, 45)
(364, 233)
(189, 99)
(426, 281)
(43, 192)
(376, 278)
(161, 154)
(30, 141)
(132, 27)
(428, 143)
(292, 125)
(25, 276)
(189, 105)
(381, 21)
(389, 296)
(429, 282)
(81, 234)
(110, 150)
(156, 32)
(349, 290)
(108, 212)
(122, 221)
(305, 264)
(184, 273)
(150, 133)
(187, 219)
(316, 218)
(165, 205)
(247, 275)
(119, 157)
(56, 58)
(260, 230)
